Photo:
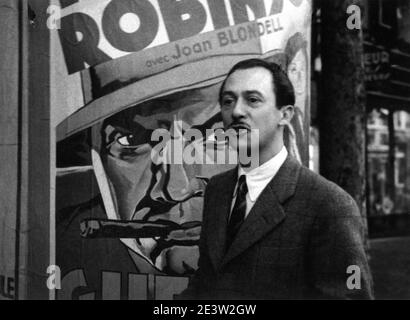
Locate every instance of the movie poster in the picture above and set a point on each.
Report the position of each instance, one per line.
(10, 177)
(127, 213)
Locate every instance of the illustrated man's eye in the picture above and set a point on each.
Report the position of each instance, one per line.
(125, 140)
(134, 140)
(128, 140)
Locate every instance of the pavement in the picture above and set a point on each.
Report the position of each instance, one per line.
(390, 265)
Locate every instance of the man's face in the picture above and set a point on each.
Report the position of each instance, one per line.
(248, 102)
(146, 191)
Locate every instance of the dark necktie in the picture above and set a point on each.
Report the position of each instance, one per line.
(238, 211)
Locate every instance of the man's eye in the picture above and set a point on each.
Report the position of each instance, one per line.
(134, 140)
(253, 99)
(227, 101)
(126, 140)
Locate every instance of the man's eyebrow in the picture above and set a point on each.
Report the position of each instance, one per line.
(245, 92)
(253, 92)
(228, 93)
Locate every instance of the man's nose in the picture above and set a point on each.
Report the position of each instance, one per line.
(239, 109)
(177, 185)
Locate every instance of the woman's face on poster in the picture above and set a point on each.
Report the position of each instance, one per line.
(297, 73)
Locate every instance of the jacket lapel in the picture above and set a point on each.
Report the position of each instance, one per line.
(267, 211)
(218, 215)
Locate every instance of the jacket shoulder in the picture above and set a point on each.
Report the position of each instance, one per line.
(326, 193)
(222, 175)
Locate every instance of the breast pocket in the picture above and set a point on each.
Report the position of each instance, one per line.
(286, 256)
(280, 272)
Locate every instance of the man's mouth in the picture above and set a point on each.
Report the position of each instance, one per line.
(240, 127)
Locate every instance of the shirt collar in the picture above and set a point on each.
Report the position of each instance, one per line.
(259, 177)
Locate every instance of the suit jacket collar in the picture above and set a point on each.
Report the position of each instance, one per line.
(265, 215)
(219, 213)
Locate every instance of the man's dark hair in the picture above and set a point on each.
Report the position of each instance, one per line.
(282, 87)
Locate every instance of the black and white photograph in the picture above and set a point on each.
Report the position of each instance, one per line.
(204, 150)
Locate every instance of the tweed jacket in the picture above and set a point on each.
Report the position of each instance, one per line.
(297, 242)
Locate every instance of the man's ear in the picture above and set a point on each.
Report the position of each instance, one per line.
(287, 114)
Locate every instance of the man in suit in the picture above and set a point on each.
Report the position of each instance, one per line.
(277, 230)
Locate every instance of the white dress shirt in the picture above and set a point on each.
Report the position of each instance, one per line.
(258, 178)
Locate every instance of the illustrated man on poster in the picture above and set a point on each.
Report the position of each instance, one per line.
(161, 200)
(278, 230)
